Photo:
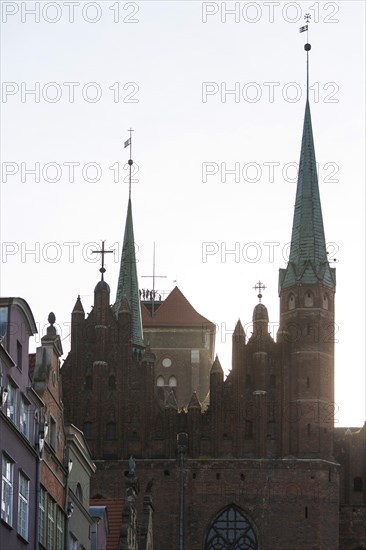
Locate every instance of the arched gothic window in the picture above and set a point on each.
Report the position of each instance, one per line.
(160, 381)
(231, 531)
(172, 381)
(291, 302)
(309, 299)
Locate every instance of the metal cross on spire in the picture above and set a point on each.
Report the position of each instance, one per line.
(259, 286)
(153, 277)
(102, 252)
(307, 48)
(130, 162)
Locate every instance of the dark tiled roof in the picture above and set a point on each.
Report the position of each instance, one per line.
(114, 513)
(175, 311)
(308, 262)
(127, 287)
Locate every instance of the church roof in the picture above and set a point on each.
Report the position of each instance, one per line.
(128, 287)
(175, 311)
(216, 366)
(78, 307)
(308, 263)
(260, 313)
(238, 331)
(114, 514)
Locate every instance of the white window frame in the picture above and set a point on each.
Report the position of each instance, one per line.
(73, 542)
(53, 432)
(42, 516)
(24, 416)
(60, 528)
(7, 468)
(11, 403)
(23, 506)
(51, 509)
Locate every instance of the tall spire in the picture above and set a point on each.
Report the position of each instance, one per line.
(308, 262)
(128, 288)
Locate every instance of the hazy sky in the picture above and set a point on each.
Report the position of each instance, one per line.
(215, 93)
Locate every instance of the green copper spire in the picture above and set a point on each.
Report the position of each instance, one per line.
(127, 283)
(308, 262)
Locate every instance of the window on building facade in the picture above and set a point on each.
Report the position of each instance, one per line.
(73, 542)
(24, 416)
(195, 356)
(231, 530)
(11, 403)
(51, 523)
(60, 530)
(172, 382)
(53, 432)
(7, 490)
(19, 355)
(309, 299)
(23, 506)
(3, 324)
(42, 516)
(357, 484)
(160, 381)
(79, 492)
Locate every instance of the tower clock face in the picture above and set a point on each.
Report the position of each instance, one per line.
(167, 362)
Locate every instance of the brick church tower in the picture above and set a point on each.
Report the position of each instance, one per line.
(254, 467)
(306, 289)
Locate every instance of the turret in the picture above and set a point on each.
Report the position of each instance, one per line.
(238, 343)
(77, 323)
(216, 382)
(101, 301)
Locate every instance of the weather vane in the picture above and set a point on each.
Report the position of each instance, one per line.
(307, 48)
(127, 143)
(259, 286)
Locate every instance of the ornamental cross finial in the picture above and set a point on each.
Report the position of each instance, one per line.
(259, 286)
(102, 252)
